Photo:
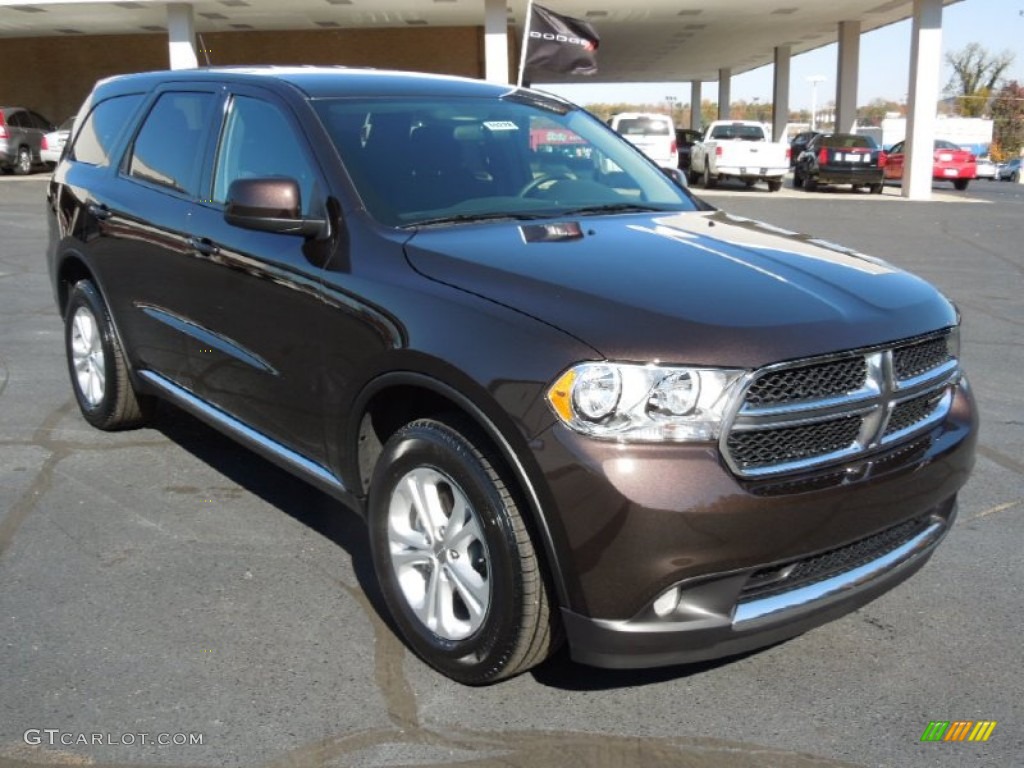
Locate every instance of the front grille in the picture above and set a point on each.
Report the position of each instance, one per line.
(912, 412)
(808, 414)
(915, 359)
(764, 447)
(783, 578)
(810, 382)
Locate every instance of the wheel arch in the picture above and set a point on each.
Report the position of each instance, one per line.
(394, 399)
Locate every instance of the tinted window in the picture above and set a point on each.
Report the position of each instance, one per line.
(745, 132)
(259, 142)
(17, 119)
(95, 141)
(943, 144)
(848, 141)
(169, 146)
(38, 121)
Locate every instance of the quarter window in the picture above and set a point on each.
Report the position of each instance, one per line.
(95, 141)
(169, 147)
(259, 142)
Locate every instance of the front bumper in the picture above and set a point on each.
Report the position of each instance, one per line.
(637, 522)
(705, 631)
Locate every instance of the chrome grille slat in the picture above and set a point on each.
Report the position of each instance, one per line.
(811, 413)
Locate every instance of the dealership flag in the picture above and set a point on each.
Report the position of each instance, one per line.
(558, 43)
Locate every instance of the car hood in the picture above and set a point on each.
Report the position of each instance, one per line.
(698, 288)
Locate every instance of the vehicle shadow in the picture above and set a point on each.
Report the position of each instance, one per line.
(298, 499)
(344, 527)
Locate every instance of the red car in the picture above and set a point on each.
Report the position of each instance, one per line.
(951, 164)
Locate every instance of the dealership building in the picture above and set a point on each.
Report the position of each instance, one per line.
(52, 52)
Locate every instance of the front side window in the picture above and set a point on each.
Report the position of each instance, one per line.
(94, 143)
(168, 149)
(449, 159)
(259, 142)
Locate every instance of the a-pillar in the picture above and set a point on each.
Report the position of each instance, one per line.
(780, 93)
(846, 87)
(695, 105)
(925, 66)
(181, 36)
(724, 93)
(496, 41)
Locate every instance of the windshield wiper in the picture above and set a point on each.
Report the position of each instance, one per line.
(464, 218)
(589, 210)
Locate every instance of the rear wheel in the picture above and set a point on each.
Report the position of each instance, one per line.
(23, 166)
(876, 189)
(99, 372)
(455, 561)
(810, 183)
(961, 184)
(798, 180)
(709, 180)
(774, 185)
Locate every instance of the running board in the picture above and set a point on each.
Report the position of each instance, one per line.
(259, 443)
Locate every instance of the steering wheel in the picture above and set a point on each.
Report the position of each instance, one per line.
(540, 181)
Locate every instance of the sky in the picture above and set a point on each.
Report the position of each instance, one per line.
(998, 25)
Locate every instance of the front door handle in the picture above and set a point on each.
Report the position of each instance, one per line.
(203, 245)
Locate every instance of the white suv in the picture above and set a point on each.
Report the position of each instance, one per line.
(653, 134)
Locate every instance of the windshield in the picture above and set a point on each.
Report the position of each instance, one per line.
(436, 160)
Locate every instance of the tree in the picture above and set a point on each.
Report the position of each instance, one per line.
(976, 73)
(1008, 117)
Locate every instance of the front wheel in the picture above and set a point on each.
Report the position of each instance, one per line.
(709, 180)
(96, 362)
(876, 189)
(456, 564)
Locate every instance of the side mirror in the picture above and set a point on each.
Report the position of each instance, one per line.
(271, 205)
(677, 176)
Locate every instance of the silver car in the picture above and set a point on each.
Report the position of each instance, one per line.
(21, 138)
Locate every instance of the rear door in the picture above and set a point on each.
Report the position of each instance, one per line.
(256, 306)
(894, 165)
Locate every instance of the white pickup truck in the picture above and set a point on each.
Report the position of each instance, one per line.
(738, 149)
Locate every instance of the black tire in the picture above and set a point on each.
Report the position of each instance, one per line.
(497, 572)
(798, 180)
(811, 183)
(774, 185)
(693, 177)
(961, 184)
(876, 189)
(709, 181)
(97, 366)
(23, 165)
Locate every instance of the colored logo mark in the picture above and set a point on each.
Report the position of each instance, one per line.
(958, 730)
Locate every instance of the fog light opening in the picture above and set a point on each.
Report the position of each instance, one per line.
(666, 603)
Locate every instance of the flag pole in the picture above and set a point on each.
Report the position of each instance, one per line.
(526, 43)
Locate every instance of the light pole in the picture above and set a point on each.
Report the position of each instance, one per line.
(814, 80)
(671, 101)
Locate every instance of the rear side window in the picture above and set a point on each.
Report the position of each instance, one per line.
(848, 142)
(95, 142)
(168, 149)
(17, 120)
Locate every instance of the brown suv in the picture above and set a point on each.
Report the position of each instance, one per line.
(571, 401)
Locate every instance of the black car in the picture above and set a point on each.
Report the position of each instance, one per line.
(685, 139)
(575, 404)
(841, 158)
(799, 144)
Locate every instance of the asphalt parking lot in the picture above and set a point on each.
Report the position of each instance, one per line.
(167, 582)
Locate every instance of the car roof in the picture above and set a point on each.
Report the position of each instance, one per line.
(313, 82)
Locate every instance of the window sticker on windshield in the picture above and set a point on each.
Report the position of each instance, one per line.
(500, 125)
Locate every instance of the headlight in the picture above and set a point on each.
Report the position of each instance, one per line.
(650, 403)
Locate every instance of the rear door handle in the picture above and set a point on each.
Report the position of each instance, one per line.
(99, 211)
(203, 245)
